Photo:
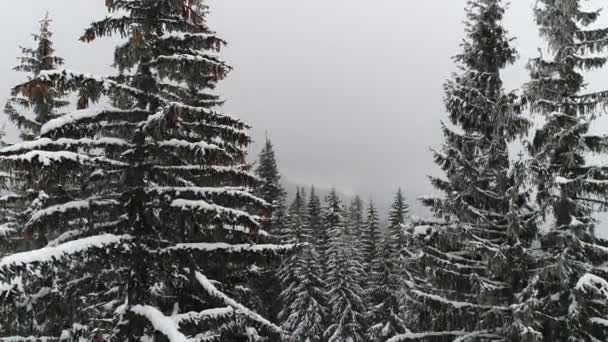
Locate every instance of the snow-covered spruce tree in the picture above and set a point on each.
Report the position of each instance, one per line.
(30, 105)
(33, 103)
(355, 211)
(345, 295)
(397, 217)
(355, 224)
(457, 290)
(319, 240)
(303, 297)
(270, 188)
(570, 290)
(372, 241)
(152, 237)
(385, 294)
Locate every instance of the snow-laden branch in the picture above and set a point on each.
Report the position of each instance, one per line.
(214, 292)
(72, 247)
(160, 322)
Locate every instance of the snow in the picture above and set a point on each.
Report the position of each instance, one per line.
(214, 313)
(599, 321)
(76, 116)
(185, 204)
(65, 207)
(229, 248)
(186, 144)
(562, 180)
(214, 292)
(239, 192)
(208, 58)
(47, 158)
(16, 282)
(64, 142)
(412, 336)
(590, 282)
(455, 304)
(28, 339)
(5, 229)
(422, 230)
(184, 35)
(72, 247)
(160, 322)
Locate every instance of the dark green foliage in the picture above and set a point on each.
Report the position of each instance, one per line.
(387, 287)
(270, 188)
(345, 295)
(458, 278)
(31, 104)
(33, 95)
(570, 185)
(372, 244)
(304, 312)
(150, 212)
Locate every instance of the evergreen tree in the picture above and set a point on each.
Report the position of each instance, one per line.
(270, 188)
(372, 245)
(457, 289)
(34, 96)
(396, 220)
(315, 222)
(569, 291)
(319, 230)
(303, 299)
(152, 237)
(345, 295)
(31, 104)
(356, 217)
(385, 295)
(267, 283)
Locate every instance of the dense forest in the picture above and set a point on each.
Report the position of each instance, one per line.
(131, 211)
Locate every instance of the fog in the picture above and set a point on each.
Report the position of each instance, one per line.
(350, 91)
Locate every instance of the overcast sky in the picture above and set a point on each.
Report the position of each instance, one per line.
(350, 91)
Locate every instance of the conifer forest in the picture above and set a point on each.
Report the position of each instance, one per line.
(134, 208)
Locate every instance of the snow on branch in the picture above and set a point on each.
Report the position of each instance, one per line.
(204, 315)
(160, 322)
(28, 339)
(47, 158)
(229, 248)
(72, 247)
(455, 304)
(417, 336)
(70, 206)
(83, 114)
(233, 192)
(214, 292)
(62, 143)
(592, 285)
(195, 205)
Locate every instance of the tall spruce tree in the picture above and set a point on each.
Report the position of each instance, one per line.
(33, 103)
(30, 105)
(397, 217)
(152, 235)
(356, 217)
(458, 292)
(570, 291)
(303, 295)
(345, 295)
(270, 188)
(372, 241)
(386, 292)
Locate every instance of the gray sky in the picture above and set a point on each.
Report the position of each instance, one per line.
(350, 91)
